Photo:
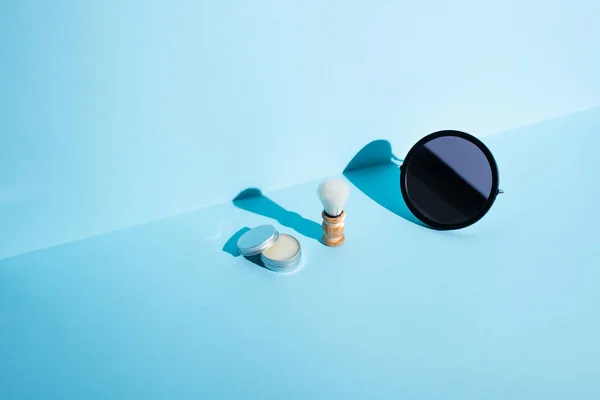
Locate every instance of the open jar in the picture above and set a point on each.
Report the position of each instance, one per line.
(278, 252)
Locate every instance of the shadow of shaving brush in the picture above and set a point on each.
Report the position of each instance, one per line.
(333, 194)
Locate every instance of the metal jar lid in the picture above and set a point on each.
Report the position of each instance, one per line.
(257, 239)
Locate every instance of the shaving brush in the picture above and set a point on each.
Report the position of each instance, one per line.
(333, 194)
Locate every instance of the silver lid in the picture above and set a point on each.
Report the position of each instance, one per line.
(257, 239)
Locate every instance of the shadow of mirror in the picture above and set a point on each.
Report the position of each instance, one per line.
(378, 152)
(230, 247)
(374, 172)
(254, 201)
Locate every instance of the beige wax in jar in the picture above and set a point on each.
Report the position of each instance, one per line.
(285, 248)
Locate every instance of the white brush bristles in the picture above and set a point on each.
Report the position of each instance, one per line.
(333, 194)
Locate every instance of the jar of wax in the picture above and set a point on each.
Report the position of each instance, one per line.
(278, 252)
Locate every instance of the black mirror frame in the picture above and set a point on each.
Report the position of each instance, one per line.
(495, 180)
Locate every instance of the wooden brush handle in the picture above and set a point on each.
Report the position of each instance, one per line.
(333, 229)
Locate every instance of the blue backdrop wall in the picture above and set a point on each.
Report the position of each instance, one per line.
(114, 113)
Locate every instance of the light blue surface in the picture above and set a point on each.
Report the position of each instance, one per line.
(506, 309)
(119, 112)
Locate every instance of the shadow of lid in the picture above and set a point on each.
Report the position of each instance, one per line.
(230, 247)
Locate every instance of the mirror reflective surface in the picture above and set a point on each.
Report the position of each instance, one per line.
(449, 180)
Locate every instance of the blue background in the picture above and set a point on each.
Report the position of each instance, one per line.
(506, 309)
(115, 113)
(126, 129)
